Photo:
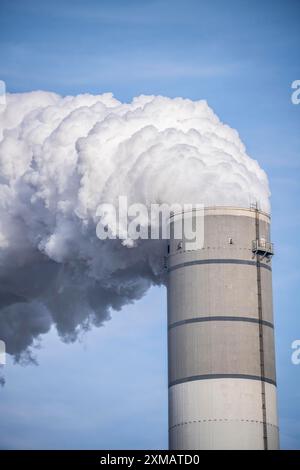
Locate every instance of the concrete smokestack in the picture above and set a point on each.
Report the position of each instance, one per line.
(222, 384)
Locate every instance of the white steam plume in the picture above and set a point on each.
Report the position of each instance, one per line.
(62, 157)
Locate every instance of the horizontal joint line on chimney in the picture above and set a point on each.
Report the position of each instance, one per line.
(221, 376)
(220, 318)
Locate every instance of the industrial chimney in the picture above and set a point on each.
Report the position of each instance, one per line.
(222, 383)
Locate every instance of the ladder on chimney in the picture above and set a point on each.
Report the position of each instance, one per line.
(261, 334)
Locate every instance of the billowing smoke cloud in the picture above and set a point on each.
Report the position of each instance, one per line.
(62, 157)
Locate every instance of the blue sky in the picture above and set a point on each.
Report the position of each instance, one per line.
(110, 389)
